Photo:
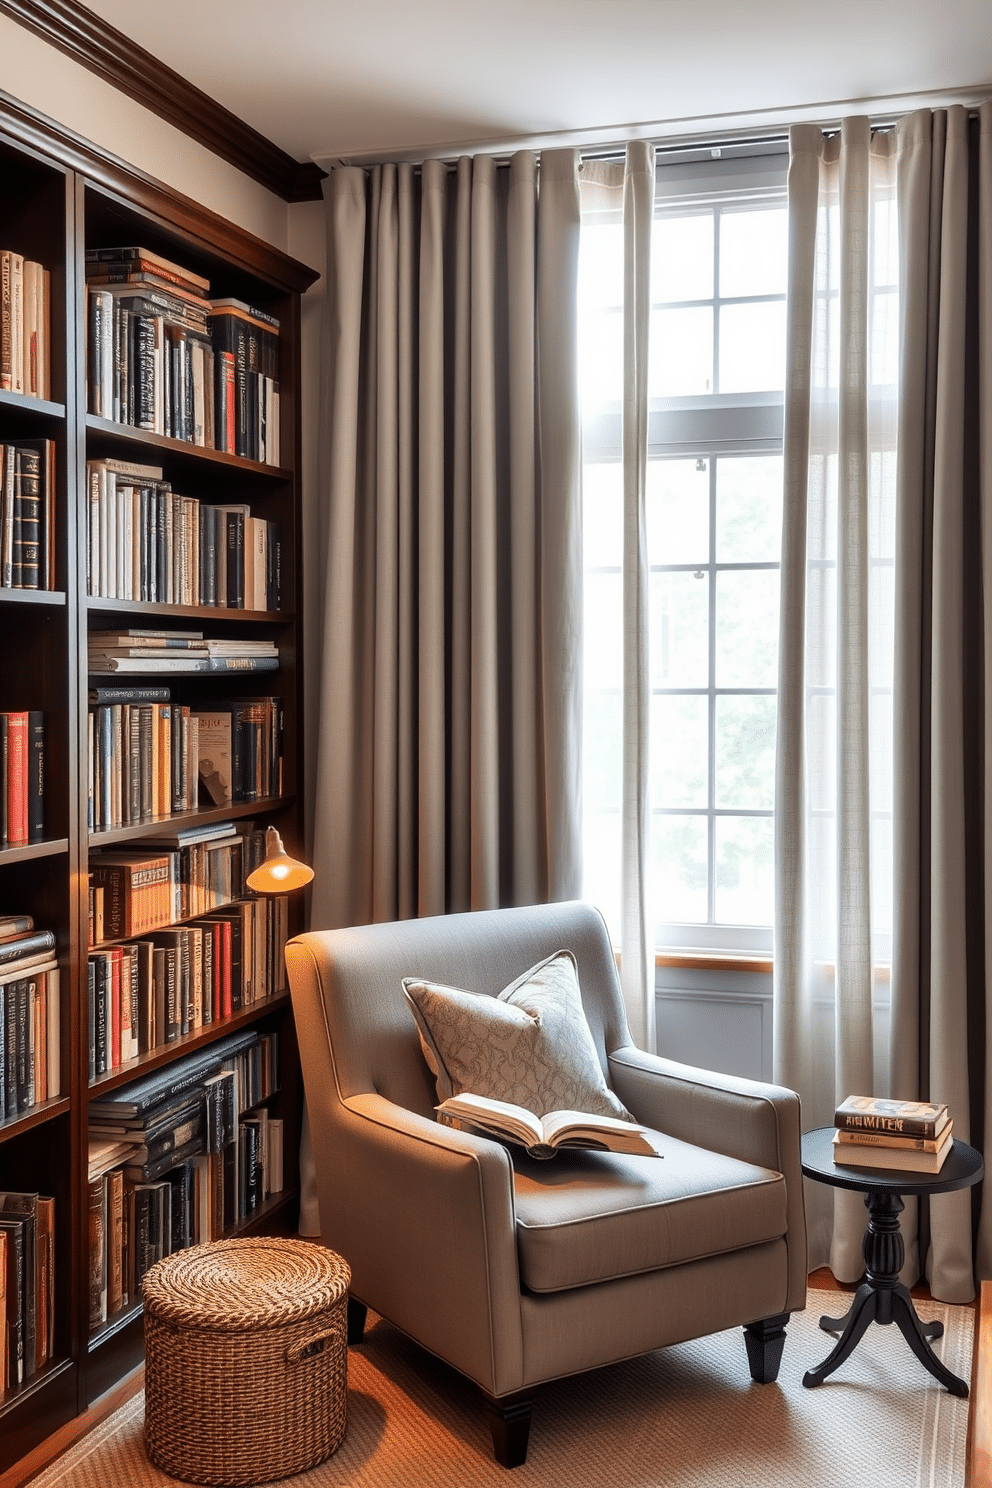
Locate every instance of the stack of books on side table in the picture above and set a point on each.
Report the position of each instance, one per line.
(909, 1135)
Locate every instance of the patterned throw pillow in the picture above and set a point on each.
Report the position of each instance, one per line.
(530, 1045)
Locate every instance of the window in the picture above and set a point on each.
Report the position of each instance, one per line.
(716, 374)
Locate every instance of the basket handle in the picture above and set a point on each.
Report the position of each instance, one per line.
(308, 1348)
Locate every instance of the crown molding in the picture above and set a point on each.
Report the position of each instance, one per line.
(106, 51)
(55, 142)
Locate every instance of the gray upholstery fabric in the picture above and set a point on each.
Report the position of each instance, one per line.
(594, 1216)
(427, 1217)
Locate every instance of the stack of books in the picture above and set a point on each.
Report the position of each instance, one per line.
(142, 651)
(176, 1159)
(907, 1135)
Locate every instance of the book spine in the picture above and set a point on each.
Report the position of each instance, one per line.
(910, 1126)
(36, 776)
(17, 778)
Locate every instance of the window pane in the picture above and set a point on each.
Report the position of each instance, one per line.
(602, 748)
(754, 252)
(745, 888)
(679, 751)
(752, 347)
(680, 869)
(680, 358)
(747, 628)
(601, 865)
(600, 280)
(745, 753)
(603, 638)
(749, 509)
(602, 513)
(678, 509)
(679, 630)
(601, 356)
(682, 258)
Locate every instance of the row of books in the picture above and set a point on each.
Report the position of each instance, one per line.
(27, 1286)
(183, 652)
(150, 991)
(176, 1159)
(150, 757)
(22, 778)
(27, 527)
(195, 870)
(913, 1136)
(163, 356)
(147, 542)
(25, 338)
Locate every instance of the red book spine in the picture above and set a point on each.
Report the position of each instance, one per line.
(115, 1008)
(17, 778)
(217, 932)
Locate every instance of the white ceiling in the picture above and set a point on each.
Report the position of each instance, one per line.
(332, 78)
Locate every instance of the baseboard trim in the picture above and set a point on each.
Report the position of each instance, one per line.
(73, 1431)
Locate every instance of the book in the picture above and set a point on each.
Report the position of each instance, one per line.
(543, 1136)
(142, 1094)
(905, 1118)
(132, 254)
(901, 1159)
(890, 1139)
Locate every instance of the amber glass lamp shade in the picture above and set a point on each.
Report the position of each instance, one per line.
(279, 873)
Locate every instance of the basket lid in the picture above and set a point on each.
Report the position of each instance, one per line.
(232, 1285)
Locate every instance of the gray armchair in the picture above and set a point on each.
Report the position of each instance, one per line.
(514, 1271)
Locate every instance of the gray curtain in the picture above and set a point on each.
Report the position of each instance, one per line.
(882, 789)
(448, 561)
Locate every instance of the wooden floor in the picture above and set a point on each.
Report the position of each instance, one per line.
(979, 1450)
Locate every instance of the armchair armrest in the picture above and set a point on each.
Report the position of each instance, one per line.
(424, 1215)
(745, 1119)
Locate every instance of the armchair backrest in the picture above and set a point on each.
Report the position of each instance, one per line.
(359, 971)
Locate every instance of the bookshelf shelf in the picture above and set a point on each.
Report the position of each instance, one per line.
(23, 403)
(202, 816)
(57, 203)
(187, 1043)
(52, 599)
(108, 433)
(52, 847)
(214, 615)
(16, 1126)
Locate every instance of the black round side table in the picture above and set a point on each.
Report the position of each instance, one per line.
(881, 1297)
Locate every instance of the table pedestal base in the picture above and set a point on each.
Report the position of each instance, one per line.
(882, 1298)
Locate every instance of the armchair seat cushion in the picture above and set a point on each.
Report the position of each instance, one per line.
(586, 1217)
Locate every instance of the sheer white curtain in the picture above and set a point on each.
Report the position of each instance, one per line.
(883, 938)
(625, 190)
(834, 748)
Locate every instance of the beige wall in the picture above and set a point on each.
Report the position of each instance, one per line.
(51, 82)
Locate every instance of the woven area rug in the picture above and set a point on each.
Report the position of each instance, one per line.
(684, 1417)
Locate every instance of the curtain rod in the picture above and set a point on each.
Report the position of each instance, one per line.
(769, 127)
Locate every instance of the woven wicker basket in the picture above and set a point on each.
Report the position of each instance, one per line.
(245, 1360)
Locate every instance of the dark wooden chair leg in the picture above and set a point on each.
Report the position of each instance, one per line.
(357, 1312)
(509, 1422)
(764, 1342)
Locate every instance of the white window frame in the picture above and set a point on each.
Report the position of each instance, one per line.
(709, 426)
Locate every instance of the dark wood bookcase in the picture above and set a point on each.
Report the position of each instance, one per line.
(60, 195)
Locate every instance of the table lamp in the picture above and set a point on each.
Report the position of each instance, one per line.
(278, 873)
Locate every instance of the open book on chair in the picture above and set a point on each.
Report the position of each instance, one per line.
(542, 1136)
